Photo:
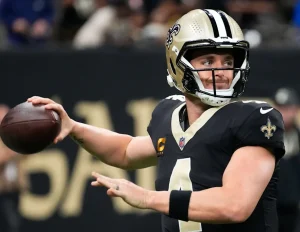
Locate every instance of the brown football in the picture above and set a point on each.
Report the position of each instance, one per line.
(28, 129)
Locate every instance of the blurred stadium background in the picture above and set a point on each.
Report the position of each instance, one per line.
(104, 61)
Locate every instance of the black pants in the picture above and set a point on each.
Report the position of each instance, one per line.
(10, 219)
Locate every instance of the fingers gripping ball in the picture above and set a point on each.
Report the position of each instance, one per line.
(28, 129)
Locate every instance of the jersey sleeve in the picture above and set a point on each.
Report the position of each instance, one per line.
(265, 129)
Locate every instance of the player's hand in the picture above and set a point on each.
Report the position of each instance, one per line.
(132, 194)
(67, 124)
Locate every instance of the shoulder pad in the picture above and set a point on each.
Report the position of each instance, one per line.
(163, 111)
(176, 98)
(169, 103)
(247, 107)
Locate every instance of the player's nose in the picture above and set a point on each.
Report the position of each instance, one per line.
(219, 72)
(218, 65)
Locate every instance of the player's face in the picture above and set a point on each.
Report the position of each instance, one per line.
(223, 78)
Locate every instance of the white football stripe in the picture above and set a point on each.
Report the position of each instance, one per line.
(220, 23)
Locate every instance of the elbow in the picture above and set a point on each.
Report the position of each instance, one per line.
(124, 164)
(121, 164)
(236, 213)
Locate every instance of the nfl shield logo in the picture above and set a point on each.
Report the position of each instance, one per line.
(181, 142)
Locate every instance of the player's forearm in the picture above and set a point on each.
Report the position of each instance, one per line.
(108, 146)
(208, 206)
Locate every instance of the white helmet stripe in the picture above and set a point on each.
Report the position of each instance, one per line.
(219, 22)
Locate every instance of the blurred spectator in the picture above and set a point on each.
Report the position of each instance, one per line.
(296, 22)
(93, 32)
(138, 20)
(164, 16)
(265, 21)
(94, 23)
(122, 23)
(86, 7)
(114, 23)
(287, 7)
(120, 32)
(161, 19)
(12, 182)
(216, 4)
(27, 22)
(287, 102)
(69, 23)
(151, 5)
(247, 11)
(296, 15)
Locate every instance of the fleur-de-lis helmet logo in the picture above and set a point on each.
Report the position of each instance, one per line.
(173, 31)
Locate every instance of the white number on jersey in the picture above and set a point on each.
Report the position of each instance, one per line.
(180, 180)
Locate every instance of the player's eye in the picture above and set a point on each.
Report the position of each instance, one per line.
(207, 62)
(228, 63)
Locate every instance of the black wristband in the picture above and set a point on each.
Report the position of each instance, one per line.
(179, 204)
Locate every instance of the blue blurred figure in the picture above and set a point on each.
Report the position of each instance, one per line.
(27, 22)
(296, 16)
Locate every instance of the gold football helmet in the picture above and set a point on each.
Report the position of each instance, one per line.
(206, 29)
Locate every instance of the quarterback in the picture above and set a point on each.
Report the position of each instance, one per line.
(217, 158)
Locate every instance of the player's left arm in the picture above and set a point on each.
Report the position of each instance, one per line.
(244, 181)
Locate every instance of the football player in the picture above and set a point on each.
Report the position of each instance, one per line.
(217, 160)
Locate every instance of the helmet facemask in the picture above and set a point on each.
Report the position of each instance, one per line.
(216, 97)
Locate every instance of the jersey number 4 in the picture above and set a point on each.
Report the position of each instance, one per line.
(180, 180)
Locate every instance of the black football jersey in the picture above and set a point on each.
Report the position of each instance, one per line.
(195, 159)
